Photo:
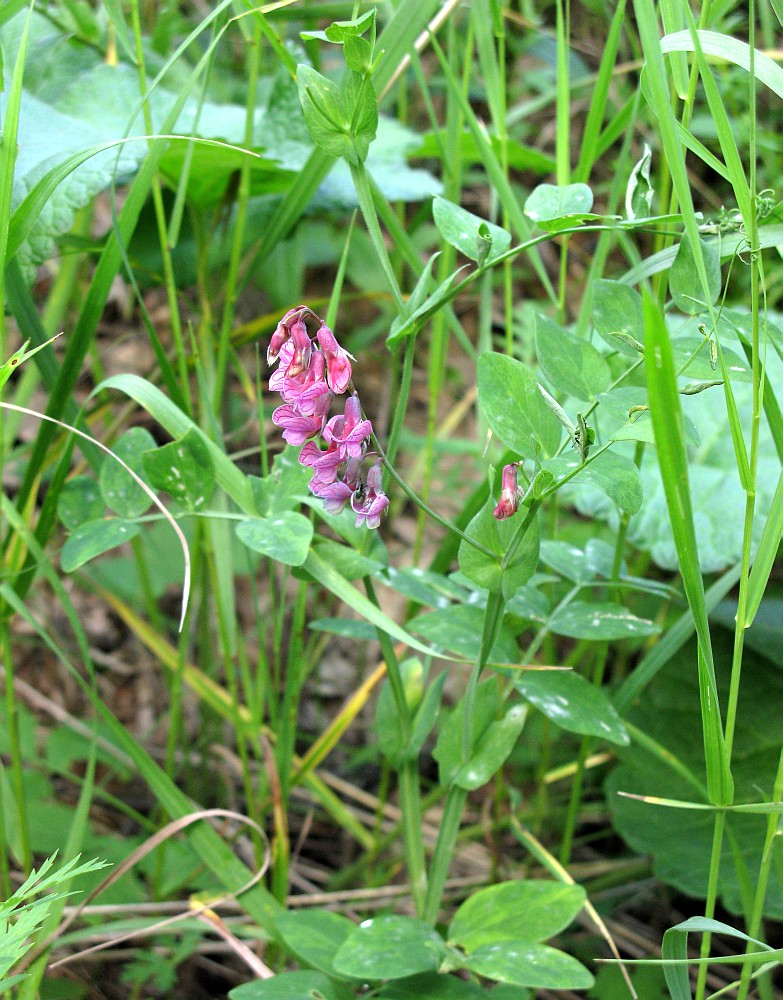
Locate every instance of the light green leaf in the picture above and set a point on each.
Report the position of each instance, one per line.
(292, 986)
(522, 910)
(458, 628)
(120, 492)
(513, 407)
(548, 202)
(463, 230)
(284, 537)
(617, 315)
(492, 749)
(80, 500)
(613, 474)
(183, 469)
(390, 947)
(600, 620)
(573, 703)
(684, 281)
(93, 539)
(314, 936)
(570, 364)
(527, 964)
(484, 570)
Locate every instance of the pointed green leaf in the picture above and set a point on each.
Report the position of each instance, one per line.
(390, 947)
(570, 364)
(93, 539)
(284, 537)
(513, 407)
(573, 703)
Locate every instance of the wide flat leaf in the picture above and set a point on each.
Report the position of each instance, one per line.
(600, 620)
(615, 475)
(548, 202)
(684, 282)
(314, 936)
(570, 562)
(183, 469)
(678, 840)
(527, 964)
(448, 749)
(93, 538)
(458, 629)
(570, 364)
(573, 703)
(513, 407)
(484, 570)
(432, 986)
(120, 491)
(522, 910)
(284, 537)
(80, 500)
(492, 750)
(305, 985)
(617, 315)
(474, 237)
(390, 947)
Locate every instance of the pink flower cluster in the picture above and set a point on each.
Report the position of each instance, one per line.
(310, 373)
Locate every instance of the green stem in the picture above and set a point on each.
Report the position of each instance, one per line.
(408, 777)
(444, 848)
(367, 205)
(243, 198)
(15, 745)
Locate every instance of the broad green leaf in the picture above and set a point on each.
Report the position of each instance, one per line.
(526, 964)
(448, 749)
(570, 364)
(573, 703)
(601, 621)
(120, 492)
(684, 281)
(613, 474)
(183, 469)
(492, 749)
(340, 31)
(360, 108)
(471, 235)
(617, 315)
(548, 202)
(458, 628)
(569, 561)
(422, 586)
(435, 986)
(284, 537)
(522, 910)
(347, 561)
(513, 407)
(679, 841)
(388, 724)
(303, 985)
(390, 947)
(285, 486)
(484, 570)
(314, 936)
(351, 628)
(80, 500)
(93, 538)
(323, 111)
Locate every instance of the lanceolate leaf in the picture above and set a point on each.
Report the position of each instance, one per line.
(670, 443)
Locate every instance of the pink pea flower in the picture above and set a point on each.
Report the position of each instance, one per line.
(293, 318)
(334, 495)
(369, 501)
(349, 432)
(338, 367)
(325, 464)
(509, 493)
(296, 427)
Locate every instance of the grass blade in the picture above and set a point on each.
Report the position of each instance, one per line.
(667, 421)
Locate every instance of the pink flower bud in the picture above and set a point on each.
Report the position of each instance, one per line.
(509, 493)
(338, 367)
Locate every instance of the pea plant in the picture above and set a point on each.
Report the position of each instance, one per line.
(585, 596)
